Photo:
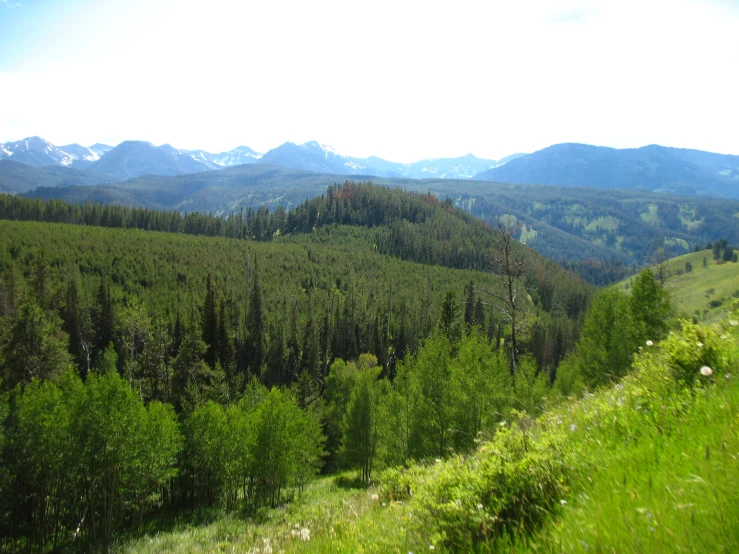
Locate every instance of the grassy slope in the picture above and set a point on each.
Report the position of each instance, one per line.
(693, 292)
(676, 494)
(654, 469)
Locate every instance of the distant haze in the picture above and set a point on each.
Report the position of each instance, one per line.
(400, 80)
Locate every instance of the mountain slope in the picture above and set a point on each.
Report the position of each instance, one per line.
(221, 192)
(82, 155)
(133, 158)
(462, 167)
(100, 148)
(313, 156)
(654, 168)
(35, 151)
(238, 156)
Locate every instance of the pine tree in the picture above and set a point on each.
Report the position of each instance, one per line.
(324, 353)
(104, 318)
(255, 326)
(309, 358)
(77, 324)
(469, 305)
(293, 349)
(448, 322)
(40, 280)
(226, 350)
(276, 357)
(210, 323)
(479, 316)
(35, 346)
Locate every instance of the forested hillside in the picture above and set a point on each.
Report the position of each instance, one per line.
(601, 234)
(574, 225)
(185, 341)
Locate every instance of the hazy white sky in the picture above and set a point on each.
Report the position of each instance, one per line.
(398, 79)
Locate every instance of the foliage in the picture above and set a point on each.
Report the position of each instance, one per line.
(86, 458)
(34, 347)
(362, 425)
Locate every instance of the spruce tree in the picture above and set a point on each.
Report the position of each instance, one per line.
(469, 304)
(448, 322)
(104, 318)
(78, 326)
(226, 349)
(256, 328)
(210, 323)
(293, 349)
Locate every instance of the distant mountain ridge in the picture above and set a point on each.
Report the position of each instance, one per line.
(650, 168)
(654, 168)
(131, 159)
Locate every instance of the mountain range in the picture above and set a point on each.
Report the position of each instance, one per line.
(650, 168)
(654, 168)
(134, 158)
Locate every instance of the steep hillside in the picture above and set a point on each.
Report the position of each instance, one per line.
(133, 158)
(653, 168)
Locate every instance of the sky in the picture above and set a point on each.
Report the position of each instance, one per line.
(403, 80)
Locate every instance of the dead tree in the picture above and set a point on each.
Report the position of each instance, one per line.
(508, 265)
(658, 261)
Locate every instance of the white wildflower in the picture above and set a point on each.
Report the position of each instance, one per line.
(563, 502)
(375, 497)
(733, 322)
(572, 428)
(432, 547)
(479, 506)
(437, 460)
(650, 343)
(700, 345)
(305, 534)
(706, 371)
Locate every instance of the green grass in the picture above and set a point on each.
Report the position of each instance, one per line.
(652, 216)
(607, 223)
(323, 519)
(527, 234)
(673, 493)
(692, 293)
